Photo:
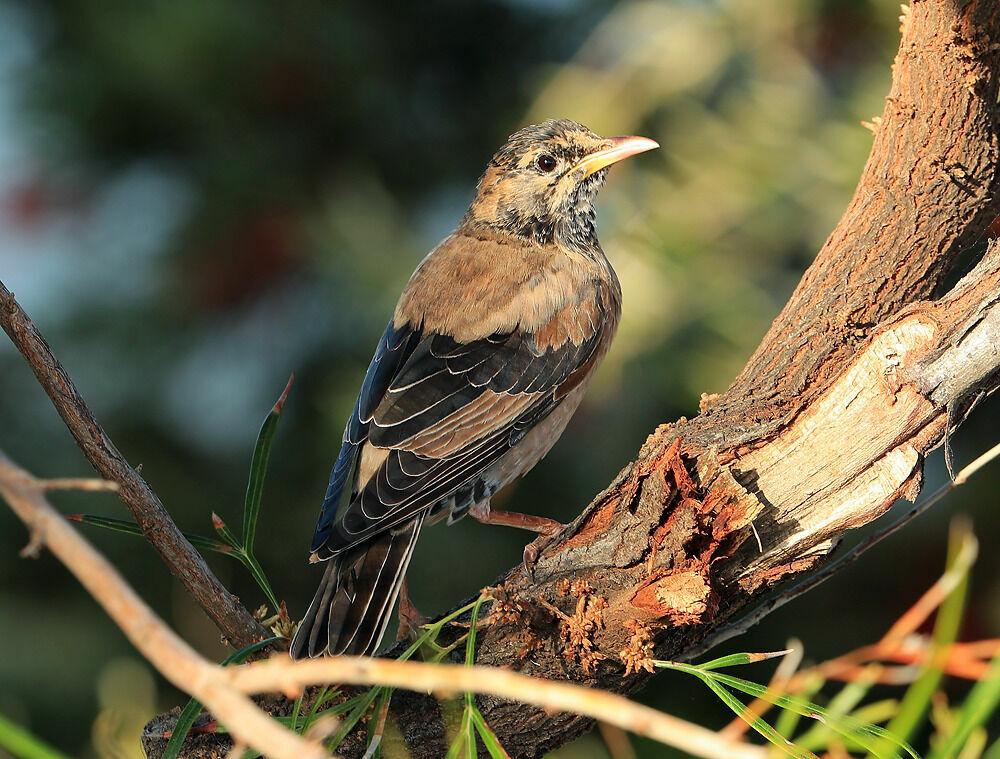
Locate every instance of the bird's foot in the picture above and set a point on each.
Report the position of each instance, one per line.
(410, 619)
(547, 529)
(482, 512)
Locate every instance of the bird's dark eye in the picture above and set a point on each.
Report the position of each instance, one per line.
(546, 163)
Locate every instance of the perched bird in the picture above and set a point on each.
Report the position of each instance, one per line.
(486, 358)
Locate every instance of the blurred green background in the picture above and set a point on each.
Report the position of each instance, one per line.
(197, 199)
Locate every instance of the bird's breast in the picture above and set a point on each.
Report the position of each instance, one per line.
(472, 288)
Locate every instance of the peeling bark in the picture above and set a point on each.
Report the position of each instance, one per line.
(826, 427)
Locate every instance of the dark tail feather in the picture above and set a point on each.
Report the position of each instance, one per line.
(352, 606)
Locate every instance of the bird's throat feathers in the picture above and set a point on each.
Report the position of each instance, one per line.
(562, 214)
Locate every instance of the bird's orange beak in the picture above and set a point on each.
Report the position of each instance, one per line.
(620, 148)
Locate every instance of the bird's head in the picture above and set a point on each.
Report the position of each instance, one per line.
(541, 185)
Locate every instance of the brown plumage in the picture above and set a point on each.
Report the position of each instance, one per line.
(486, 358)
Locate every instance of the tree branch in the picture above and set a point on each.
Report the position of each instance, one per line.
(174, 658)
(236, 623)
(929, 188)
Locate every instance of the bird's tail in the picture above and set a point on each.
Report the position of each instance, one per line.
(354, 601)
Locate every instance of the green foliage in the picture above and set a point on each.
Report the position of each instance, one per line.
(723, 686)
(846, 720)
(354, 709)
(464, 744)
(128, 527)
(981, 704)
(258, 469)
(917, 700)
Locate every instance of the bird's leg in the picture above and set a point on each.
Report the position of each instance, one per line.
(410, 620)
(547, 529)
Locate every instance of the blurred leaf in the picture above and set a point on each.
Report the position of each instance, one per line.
(359, 706)
(840, 706)
(23, 744)
(788, 719)
(845, 726)
(917, 699)
(465, 741)
(978, 707)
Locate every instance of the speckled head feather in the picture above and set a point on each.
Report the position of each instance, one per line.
(534, 189)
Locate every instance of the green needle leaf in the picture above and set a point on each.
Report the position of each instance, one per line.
(258, 468)
(128, 527)
(962, 550)
(223, 531)
(488, 737)
(360, 705)
(184, 722)
(845, 726)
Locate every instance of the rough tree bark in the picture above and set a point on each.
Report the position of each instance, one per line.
(858, 378)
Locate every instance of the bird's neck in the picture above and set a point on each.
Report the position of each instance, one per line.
(574, 233)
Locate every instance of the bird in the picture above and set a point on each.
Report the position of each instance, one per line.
(486, 357)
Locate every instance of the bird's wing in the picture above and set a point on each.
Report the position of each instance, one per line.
(393, 349)
(447, 413)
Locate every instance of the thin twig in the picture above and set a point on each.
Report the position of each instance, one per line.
(77, 483)
(282, 674)
(174, 658)
(184, 562)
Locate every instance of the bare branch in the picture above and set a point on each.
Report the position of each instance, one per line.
(174, 658)
(282, 674)
(236, 623)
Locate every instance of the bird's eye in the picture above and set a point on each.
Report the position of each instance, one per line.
(546, 163)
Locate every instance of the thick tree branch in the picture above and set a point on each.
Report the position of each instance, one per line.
(929, 188)
(236, 623)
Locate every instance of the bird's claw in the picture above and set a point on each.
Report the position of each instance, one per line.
(529, 560)
(535, 547)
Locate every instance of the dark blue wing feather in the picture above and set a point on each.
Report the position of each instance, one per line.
(393, 349)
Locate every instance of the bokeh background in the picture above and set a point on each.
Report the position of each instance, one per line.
(197, 199)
